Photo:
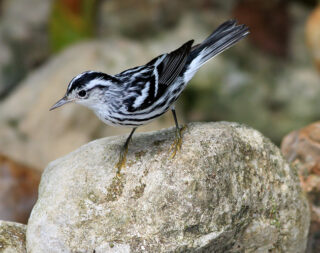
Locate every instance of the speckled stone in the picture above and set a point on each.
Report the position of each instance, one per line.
(12, 237)
(227, 190)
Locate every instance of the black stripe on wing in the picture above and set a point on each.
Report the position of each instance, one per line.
(173, 63)
(168, 70)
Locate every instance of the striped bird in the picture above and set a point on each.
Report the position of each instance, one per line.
(138, 95)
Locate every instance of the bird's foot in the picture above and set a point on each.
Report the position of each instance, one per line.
(122, 160)
(176, 145)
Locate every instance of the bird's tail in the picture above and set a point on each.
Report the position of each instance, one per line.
(225, 36)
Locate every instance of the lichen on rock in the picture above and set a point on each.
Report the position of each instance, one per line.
(227, 190)
(12, 237)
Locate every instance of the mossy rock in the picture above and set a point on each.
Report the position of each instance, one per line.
(227, 190)
(12, 237)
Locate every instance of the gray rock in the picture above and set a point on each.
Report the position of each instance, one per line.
(12, 237)
(227, 190)
(24, 41)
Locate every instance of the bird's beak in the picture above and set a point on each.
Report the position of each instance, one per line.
(61, 102)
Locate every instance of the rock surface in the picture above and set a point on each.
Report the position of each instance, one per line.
(12, 237)
(227, 190)
(18, 190)
(302, 149)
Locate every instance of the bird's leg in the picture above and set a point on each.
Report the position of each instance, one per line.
(176, 145)
(123, 152)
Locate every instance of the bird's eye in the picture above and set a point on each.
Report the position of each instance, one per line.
(82, 93)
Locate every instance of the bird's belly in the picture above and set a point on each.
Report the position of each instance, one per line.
(131, 119)
(120, 120)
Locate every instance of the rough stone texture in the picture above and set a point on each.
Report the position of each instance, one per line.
(227, 190)
(18, 190)
(302, 149)
(12, 237)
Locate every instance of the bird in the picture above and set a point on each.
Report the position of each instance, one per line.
(141, 94)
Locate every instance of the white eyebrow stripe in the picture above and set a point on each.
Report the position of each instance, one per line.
(96, 82)
(77, 77)
(73, 80)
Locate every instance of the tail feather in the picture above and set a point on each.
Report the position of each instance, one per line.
(225, 36)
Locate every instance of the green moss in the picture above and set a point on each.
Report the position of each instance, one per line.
(139, 154)
(82, 205)
(274, 215)
(222, 220)
(205, 145)
(145, 172)
(3, 243)
(158, 142)
(71, 23)
(192, 230)
(138, 191)
(243, 212)
(13, 123)
(115, 189)
(11, 235)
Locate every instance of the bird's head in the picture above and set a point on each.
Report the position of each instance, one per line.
(88, 88)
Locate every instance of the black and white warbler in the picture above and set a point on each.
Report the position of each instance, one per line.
(138, 95)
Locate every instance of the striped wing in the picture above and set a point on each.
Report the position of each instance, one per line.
(148, 83)
(173, 63)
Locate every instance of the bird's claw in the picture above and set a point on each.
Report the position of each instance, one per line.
(176, 145)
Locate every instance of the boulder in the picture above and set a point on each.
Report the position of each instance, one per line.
(12, 237)
(227, 190)
(18, 190)
(302, 149)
